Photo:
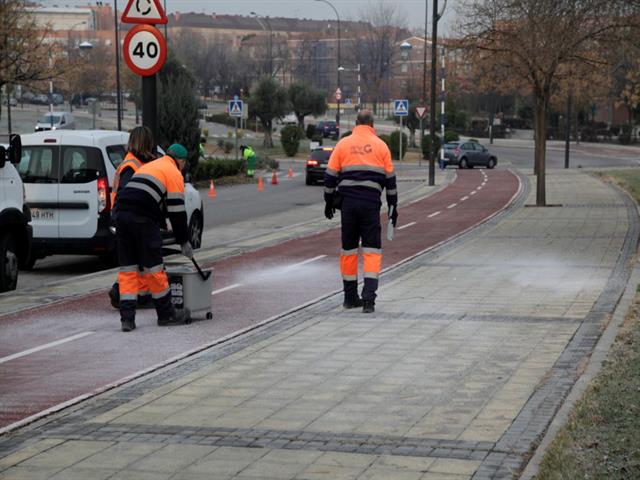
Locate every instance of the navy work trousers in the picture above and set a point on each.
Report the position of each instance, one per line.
(360, 224)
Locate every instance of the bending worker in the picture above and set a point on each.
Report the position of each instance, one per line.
(139, 214)
(359, 169)
(139, 151)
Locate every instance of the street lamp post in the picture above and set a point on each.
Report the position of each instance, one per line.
(339, 59)
(434, 66)
(424, 72)
(270, 41)
(358, 91)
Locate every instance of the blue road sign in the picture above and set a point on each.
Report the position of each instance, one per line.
(235, 107)
(401, 108)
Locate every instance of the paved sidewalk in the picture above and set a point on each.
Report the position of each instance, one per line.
(471, 351)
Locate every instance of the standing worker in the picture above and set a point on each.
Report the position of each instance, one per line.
(360, 167)
(139, 214)
(139, 151)
(249, 157)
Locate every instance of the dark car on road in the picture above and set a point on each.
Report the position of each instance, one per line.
(317, 164)
(468, 154)
(328, 128)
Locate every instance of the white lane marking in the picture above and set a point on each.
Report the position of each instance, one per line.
(434, 214)
(466, 197)
(452, 205)
(299, 264)
(473, 193)
(220, 290)
(407, 225)
(44, 347)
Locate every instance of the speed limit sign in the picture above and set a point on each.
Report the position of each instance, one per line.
(145, 50)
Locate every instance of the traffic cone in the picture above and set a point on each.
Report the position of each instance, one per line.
(260, 184)
(274, 178)
(212, 190)
(290, 174)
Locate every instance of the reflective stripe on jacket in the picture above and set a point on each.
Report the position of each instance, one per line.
(155, 185)
(130, 161)
(361, 167)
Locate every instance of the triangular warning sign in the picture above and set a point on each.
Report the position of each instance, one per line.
(144, 11)
(235, 108)
(421, 111)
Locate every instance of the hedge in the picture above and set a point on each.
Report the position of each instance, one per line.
(217, 168)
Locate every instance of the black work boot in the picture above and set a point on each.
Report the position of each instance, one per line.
(350, 303)
(368, 306)
(177, 317)
(114, 296)
(128, 324)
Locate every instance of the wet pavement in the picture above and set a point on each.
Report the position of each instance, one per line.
(473, 347)
(249, 288)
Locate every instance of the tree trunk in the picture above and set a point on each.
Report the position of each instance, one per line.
(540, 122)
(268, 139)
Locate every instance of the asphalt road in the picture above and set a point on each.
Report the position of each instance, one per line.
(234, 204)
(73, 347)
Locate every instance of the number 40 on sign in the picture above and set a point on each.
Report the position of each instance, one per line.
(145, 50)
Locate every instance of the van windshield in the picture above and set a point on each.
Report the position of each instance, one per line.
(50, 118)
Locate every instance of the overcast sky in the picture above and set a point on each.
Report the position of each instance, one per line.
(413, 10)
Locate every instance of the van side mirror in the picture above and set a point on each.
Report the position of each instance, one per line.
(3, 156)
(15, 149)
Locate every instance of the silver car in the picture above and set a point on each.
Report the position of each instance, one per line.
(56, 121)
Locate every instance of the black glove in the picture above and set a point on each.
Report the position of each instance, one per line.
(394, 215)
(329, 210)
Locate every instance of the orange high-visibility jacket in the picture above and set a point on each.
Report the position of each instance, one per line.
(157, 184)
(361, 167)
(130, 161)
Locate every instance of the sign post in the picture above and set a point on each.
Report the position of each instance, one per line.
(401, 109)
(236, 107)
(421, 113)
(145, 52)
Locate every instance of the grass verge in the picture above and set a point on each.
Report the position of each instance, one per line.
(601, 439)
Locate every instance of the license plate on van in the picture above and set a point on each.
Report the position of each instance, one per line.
(43, 214)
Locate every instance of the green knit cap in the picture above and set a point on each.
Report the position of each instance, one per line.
(177, 151)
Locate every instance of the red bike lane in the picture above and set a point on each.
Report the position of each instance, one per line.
(53, 354)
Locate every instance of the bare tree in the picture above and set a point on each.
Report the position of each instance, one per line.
(24, 53)
(538, 42)
(376, 47)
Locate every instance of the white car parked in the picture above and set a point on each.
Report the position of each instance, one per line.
(68, 177)
(15, 231)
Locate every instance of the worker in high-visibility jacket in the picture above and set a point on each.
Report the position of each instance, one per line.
(139, 214)
(359, 169)
(140, 150)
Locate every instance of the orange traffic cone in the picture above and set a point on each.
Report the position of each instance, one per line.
(274, 178)
(212, 190)
(260, 184)
(290, 174)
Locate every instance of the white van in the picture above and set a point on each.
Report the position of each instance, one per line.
(68, 177)
(15, 231)
(56, 121)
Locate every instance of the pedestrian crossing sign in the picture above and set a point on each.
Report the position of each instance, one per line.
(235, 107)
(401, 108)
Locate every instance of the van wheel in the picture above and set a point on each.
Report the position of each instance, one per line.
(464, 163)
(9, 263)
(308, 180)
(492, 163)
(195, 230)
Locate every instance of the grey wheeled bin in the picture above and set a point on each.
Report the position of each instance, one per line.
(190, 288)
